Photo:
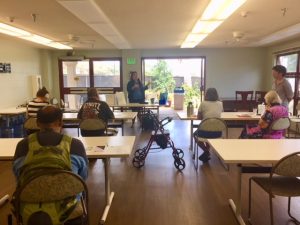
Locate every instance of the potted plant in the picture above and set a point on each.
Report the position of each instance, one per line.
(162, 81)
(192, 94)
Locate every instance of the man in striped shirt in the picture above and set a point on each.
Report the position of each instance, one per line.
(41, 100)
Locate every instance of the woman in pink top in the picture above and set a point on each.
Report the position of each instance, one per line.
(274, 111)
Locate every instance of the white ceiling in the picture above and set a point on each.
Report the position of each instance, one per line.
(152, 23)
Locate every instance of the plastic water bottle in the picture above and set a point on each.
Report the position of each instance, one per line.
(261, 109)
(190, 109)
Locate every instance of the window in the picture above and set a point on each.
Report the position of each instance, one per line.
(76, 76)
(291, 61)
(107, 73)
(164, 74)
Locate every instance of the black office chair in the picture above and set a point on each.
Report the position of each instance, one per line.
(282, 181)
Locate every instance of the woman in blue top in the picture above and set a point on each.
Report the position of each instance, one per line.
(135, 89)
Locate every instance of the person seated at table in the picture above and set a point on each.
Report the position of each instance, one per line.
(211, 107)
(93, 108)
(56, 150)
(135, 89)
(274, 111)
(41, 100)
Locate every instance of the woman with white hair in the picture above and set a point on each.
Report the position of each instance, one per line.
(274, 111)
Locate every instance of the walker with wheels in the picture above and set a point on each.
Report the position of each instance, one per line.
(162, 138)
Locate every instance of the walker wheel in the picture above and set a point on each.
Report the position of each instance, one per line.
(140, 153)
(178, 153)
(179, 164)
(138, 163)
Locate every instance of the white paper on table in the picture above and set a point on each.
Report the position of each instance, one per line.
(244, 115)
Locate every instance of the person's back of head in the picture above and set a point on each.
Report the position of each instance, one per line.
(272, 98)
(49, 117)
(279, 69)
(211, 94)
(92, 93)
(42, 93)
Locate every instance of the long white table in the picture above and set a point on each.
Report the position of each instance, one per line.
(119, 117)
(115, 147)
(245, 151)
(226, 116)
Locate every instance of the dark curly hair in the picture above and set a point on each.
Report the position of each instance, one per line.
(42, 92)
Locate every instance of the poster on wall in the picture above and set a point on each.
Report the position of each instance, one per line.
(5, 68)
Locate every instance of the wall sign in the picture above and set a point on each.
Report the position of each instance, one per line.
(5, 68)
(131, 61)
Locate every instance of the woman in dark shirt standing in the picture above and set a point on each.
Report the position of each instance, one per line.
(135, 89)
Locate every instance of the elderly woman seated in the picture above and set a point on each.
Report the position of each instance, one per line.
(274, 111)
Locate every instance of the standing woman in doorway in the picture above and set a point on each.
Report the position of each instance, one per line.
(135, 89)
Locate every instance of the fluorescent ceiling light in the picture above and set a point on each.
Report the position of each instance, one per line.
(229, 8)
(213, 16)
(221, 9)
(13, 30)
(206, 27)
(192, 40)
(16, 32)
(195, 37)
(92, 15)
(280, 35)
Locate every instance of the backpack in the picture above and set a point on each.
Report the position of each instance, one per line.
(36, 161)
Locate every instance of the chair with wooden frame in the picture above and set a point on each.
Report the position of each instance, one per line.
(243, 100)
(259, 96)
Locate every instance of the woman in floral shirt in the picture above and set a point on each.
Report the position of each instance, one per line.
(274, 111)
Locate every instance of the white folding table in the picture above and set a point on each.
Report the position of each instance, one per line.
(115, 147)
(251, 151)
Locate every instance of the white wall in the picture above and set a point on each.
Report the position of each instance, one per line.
(15, 87)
